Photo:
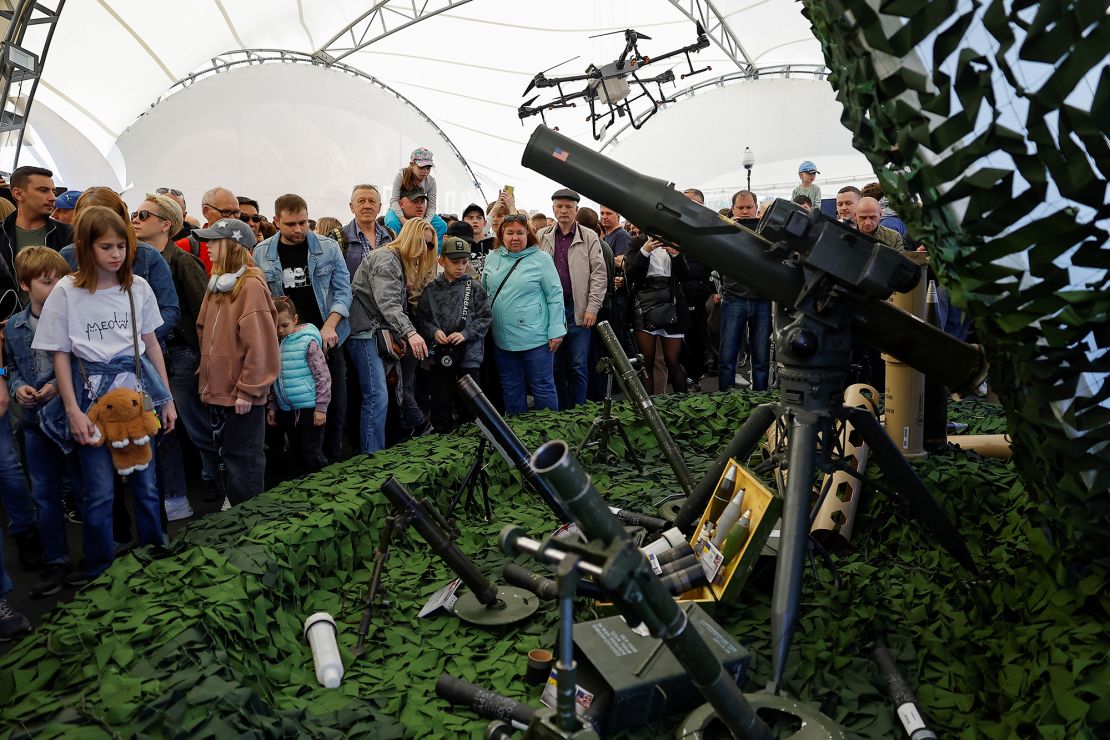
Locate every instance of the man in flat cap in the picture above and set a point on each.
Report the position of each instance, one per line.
(578, 260)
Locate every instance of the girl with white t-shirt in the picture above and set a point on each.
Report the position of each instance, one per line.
(95, 321)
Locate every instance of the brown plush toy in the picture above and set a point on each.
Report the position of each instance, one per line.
(123, 423)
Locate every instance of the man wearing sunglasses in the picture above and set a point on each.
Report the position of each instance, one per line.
(217, 203)
(414, 204)
(250, 215)
(179, 198)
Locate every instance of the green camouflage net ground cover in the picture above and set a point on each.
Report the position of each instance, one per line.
(995, 115)
(207, 642)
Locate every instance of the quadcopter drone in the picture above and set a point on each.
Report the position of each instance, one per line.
(611, 84)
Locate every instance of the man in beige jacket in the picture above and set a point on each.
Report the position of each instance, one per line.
(577, 254)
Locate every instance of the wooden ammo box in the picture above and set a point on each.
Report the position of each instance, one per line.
(766, 508)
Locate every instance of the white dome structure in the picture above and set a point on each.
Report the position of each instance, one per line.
(230, 129)
(464, 65)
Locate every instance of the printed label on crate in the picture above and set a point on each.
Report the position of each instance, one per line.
(445, 598)
(584, 699)
(710, 558)
(655, 564)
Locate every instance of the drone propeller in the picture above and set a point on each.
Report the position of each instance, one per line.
(626, 32)
(541, 76)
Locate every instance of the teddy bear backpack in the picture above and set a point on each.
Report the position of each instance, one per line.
(125, 417)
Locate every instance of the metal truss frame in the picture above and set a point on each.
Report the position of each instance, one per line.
(718, 30)
(16, 106)
(383, 19)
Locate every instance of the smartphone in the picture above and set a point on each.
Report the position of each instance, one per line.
(508, 190)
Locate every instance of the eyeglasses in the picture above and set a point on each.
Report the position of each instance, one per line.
(144, 215)
(255, 219)
(515, 217)
(229, 213)
(430, 245)
(171, 191)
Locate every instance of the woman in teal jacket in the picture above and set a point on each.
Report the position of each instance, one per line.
(529, 319)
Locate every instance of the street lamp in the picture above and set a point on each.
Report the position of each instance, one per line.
(748, 161)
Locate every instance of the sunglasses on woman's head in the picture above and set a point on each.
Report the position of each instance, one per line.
(515, 217)
(143, 215)
(171, 191)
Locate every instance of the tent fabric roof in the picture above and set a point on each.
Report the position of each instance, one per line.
(466, 68)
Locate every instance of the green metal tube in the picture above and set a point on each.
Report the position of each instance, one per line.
(630, 383)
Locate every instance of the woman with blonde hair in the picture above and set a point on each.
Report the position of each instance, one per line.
(381, 330)
(325, 225)
(237, 333)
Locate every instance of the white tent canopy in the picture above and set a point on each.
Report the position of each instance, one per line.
(465, 68)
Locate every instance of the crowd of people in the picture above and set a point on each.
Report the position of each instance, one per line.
(275, 345)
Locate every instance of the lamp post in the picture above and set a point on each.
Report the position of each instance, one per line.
(748, 161)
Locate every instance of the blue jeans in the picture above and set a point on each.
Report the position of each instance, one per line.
(523, 371)
(46, 465)
(192, 414)
(572, 364)
(14, 494)
(375, 393)
(736, 314)
(99, 474)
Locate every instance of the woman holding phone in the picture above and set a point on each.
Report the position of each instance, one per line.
(654, 272)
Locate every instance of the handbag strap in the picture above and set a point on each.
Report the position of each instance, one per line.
(505, 280)
(135, 341)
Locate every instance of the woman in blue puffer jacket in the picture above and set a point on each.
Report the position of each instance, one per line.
(529, 319)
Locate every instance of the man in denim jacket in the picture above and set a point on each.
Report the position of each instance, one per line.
(311, 271)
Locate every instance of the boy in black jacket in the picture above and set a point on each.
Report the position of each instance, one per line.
(453, 316)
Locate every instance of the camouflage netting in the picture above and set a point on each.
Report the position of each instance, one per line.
(995, 116)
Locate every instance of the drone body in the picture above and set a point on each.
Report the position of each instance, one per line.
(612, 88)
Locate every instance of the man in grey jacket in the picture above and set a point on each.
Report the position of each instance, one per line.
(581, 267)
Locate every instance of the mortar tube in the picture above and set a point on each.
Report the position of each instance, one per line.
(630, 383)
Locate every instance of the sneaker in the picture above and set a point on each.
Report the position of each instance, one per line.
(51, 579)
(30, 549)
(77, 578)
(226, 504)
(741, 381)
(12, 622)
(70, 510)
(983, 389)
(178, 508)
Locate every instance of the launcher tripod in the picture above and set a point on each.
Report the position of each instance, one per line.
(605, 426)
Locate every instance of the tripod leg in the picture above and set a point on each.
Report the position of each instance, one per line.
(906, 482)
(794, 528)
(740, 448)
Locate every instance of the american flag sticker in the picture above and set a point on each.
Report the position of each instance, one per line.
(560, 154)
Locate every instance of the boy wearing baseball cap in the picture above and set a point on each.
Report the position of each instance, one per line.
(807, 173)
(453, 316)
